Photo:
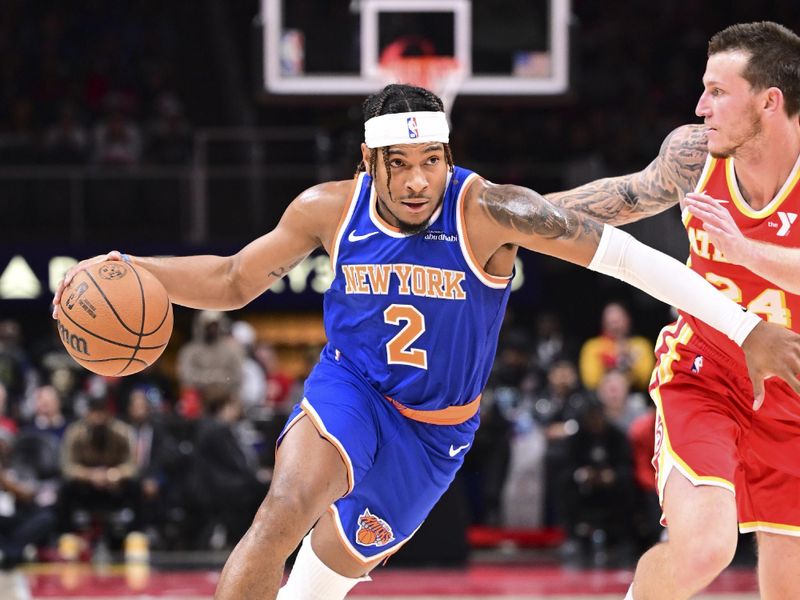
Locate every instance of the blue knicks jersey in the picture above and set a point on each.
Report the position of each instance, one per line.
(413, 315)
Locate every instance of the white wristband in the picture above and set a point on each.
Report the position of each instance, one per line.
(622, 256)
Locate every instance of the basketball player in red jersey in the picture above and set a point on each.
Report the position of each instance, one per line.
(721, 457)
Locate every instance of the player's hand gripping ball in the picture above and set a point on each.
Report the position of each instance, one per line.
(114, 318)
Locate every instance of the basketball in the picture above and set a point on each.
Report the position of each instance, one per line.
(114, 318)
(366, 537)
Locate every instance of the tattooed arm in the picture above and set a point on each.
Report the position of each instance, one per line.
(229, 282)
(518, 216)
(663, 183)
(521, 217)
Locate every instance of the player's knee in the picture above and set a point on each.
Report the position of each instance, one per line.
(296, 499)
(706, 554)
(287, 514)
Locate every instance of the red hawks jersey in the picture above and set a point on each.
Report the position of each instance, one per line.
(776, 223)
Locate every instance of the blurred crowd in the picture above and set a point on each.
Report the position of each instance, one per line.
(184, 456)
(184, 459)
(89, 85)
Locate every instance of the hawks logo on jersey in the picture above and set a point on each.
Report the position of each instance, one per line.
(372, 530)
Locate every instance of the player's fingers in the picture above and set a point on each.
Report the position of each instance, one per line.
(701, 212)
(703, 197)
(57, 298)
(68, 276)
(702, 202)
(757, 379)
(758, 398)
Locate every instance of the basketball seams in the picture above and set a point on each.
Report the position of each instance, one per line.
(163, 319)
(141, 333)
(99, 360)
(141, 327)
(111, 306)
(99, 337)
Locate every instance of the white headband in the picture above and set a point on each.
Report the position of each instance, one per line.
(416, 127)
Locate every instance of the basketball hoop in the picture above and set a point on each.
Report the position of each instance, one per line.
(440, 74)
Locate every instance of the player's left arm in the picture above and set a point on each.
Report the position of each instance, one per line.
(659, 186)
(778, 264)
(508, 214)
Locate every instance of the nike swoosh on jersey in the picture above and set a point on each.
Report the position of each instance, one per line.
(455, 451)
(354, 237)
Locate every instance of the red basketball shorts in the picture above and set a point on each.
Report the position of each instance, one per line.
(707, 429)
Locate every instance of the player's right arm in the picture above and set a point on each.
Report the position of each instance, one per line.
(230, 282)
(662, 184)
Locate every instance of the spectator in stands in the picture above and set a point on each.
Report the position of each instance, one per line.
(229, 483)
(616, 348)
(18, 138)
(117, 141)
(23, 520)
(99, 468)
(596, 491)
(155, 452)
(66, 142)
(13, 366)
(486, 466)
(6, 423)
(647, 515)
(169, 135)
(557, 409)
(210, 358)
(279, 383)
(620, 405)
(550, 343)
(47, 417)
(253, 391)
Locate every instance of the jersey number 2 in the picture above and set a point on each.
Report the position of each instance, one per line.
(398, 351)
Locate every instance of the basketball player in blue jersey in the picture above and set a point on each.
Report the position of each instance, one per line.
(423, 253)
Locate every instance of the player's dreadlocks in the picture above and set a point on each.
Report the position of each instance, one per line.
(399, 98)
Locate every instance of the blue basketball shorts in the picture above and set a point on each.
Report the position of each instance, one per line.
(398, 468)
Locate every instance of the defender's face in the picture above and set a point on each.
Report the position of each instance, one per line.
(416, 189)
(728, 104)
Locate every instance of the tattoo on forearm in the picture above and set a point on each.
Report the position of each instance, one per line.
(528, 212)
(607, 200)
(281, 271)
(660, 185)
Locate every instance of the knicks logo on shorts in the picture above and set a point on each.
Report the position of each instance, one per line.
(372, 530)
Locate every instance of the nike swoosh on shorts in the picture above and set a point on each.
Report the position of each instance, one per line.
(455, 451)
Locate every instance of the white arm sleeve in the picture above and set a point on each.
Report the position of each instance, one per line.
(622, 256)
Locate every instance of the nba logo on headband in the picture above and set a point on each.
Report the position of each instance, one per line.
(413, 127)
(413, 132)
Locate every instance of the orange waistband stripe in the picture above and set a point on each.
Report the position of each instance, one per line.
(452, 415)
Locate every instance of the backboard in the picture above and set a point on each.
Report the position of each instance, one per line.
(506, 47)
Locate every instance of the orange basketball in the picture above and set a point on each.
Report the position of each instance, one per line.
(366, 536)
(114, 318)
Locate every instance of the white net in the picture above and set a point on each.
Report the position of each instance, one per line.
(440, 74)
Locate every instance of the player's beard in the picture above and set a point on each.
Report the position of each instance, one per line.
(407, 228)
(752, 131)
